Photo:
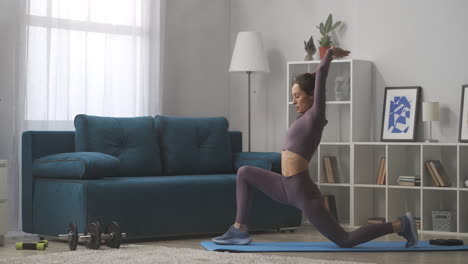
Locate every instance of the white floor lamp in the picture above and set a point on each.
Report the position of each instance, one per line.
(249, 56)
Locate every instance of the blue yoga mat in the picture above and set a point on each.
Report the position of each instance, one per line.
(373, 246)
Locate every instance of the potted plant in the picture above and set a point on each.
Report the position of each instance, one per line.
(325, 29)
(309, 48)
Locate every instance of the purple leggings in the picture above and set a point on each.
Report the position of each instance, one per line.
(301, 192)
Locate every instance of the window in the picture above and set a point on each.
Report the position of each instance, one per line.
(88, 56)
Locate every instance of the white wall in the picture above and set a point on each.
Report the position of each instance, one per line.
(410, 42)
(8, 9)
(196, 58)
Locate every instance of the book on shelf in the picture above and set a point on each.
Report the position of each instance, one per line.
(381, 172)
(440, 173)
(432, 173)
(328, 162)
(376, 220)
(330, 204)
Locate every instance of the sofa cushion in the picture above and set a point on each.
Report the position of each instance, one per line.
(132, 140)
(76, 165)
(194, 145)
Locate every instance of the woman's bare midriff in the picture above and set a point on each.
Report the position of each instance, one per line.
(292, 163)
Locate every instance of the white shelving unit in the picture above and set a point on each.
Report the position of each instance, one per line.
(3, 200)
(348, 137)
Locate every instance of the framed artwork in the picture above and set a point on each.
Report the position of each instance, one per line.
(400, 113)
(463, 131)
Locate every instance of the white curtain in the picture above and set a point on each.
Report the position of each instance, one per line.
(97, 57)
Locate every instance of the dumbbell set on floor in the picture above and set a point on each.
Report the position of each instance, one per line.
(41, 245)
(92, 240)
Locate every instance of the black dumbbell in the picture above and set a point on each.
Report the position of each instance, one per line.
(94, 237)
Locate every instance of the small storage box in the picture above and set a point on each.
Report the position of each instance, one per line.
(443, 221)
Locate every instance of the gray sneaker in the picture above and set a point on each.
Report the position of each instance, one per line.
(408, 230)
(233, 236)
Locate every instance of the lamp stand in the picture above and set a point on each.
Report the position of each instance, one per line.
(430, 134)
(248, 126)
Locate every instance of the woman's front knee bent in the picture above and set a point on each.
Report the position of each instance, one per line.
(244, 170)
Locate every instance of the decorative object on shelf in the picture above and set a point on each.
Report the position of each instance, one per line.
(466, 183)
(326, 29)
(463, 131)
(443, 220)
(400, 113)
(249, 56)
(430, 113)
(342, 88)
(309, 47)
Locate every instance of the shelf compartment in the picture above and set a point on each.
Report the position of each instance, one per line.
(367, 163)
(403, 160)
(401, 200)
(439, 200)
(463, 210)
(447, 155)
(340, 163)
(368, 202)
(337, 129)
(463, 169)
(342, 200)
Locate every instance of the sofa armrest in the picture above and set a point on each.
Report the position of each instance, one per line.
(36, 144)
(266, 160)
(76, 165)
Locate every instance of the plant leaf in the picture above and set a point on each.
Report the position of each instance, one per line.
(322, 29)
(328, 24)
(337, 24)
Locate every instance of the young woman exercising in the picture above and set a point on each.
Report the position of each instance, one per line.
(294, 186)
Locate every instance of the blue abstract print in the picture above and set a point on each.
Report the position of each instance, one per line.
(400, 113)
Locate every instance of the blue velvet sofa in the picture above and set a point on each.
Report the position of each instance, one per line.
(160, 176)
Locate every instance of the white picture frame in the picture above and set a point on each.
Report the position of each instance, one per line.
(463, 126)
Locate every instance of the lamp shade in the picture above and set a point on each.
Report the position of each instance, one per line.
(249, 54)
(430, 111)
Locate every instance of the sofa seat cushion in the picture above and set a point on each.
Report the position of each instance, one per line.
(194, 145)
(132, 140)
(76, 165)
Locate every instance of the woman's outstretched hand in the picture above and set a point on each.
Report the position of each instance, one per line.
(339, 53)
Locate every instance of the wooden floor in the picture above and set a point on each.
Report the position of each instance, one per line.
(305, 233)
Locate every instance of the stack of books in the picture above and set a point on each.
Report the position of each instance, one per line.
(437, 172)
(376, 220)
(418, 222)
(409, 180)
